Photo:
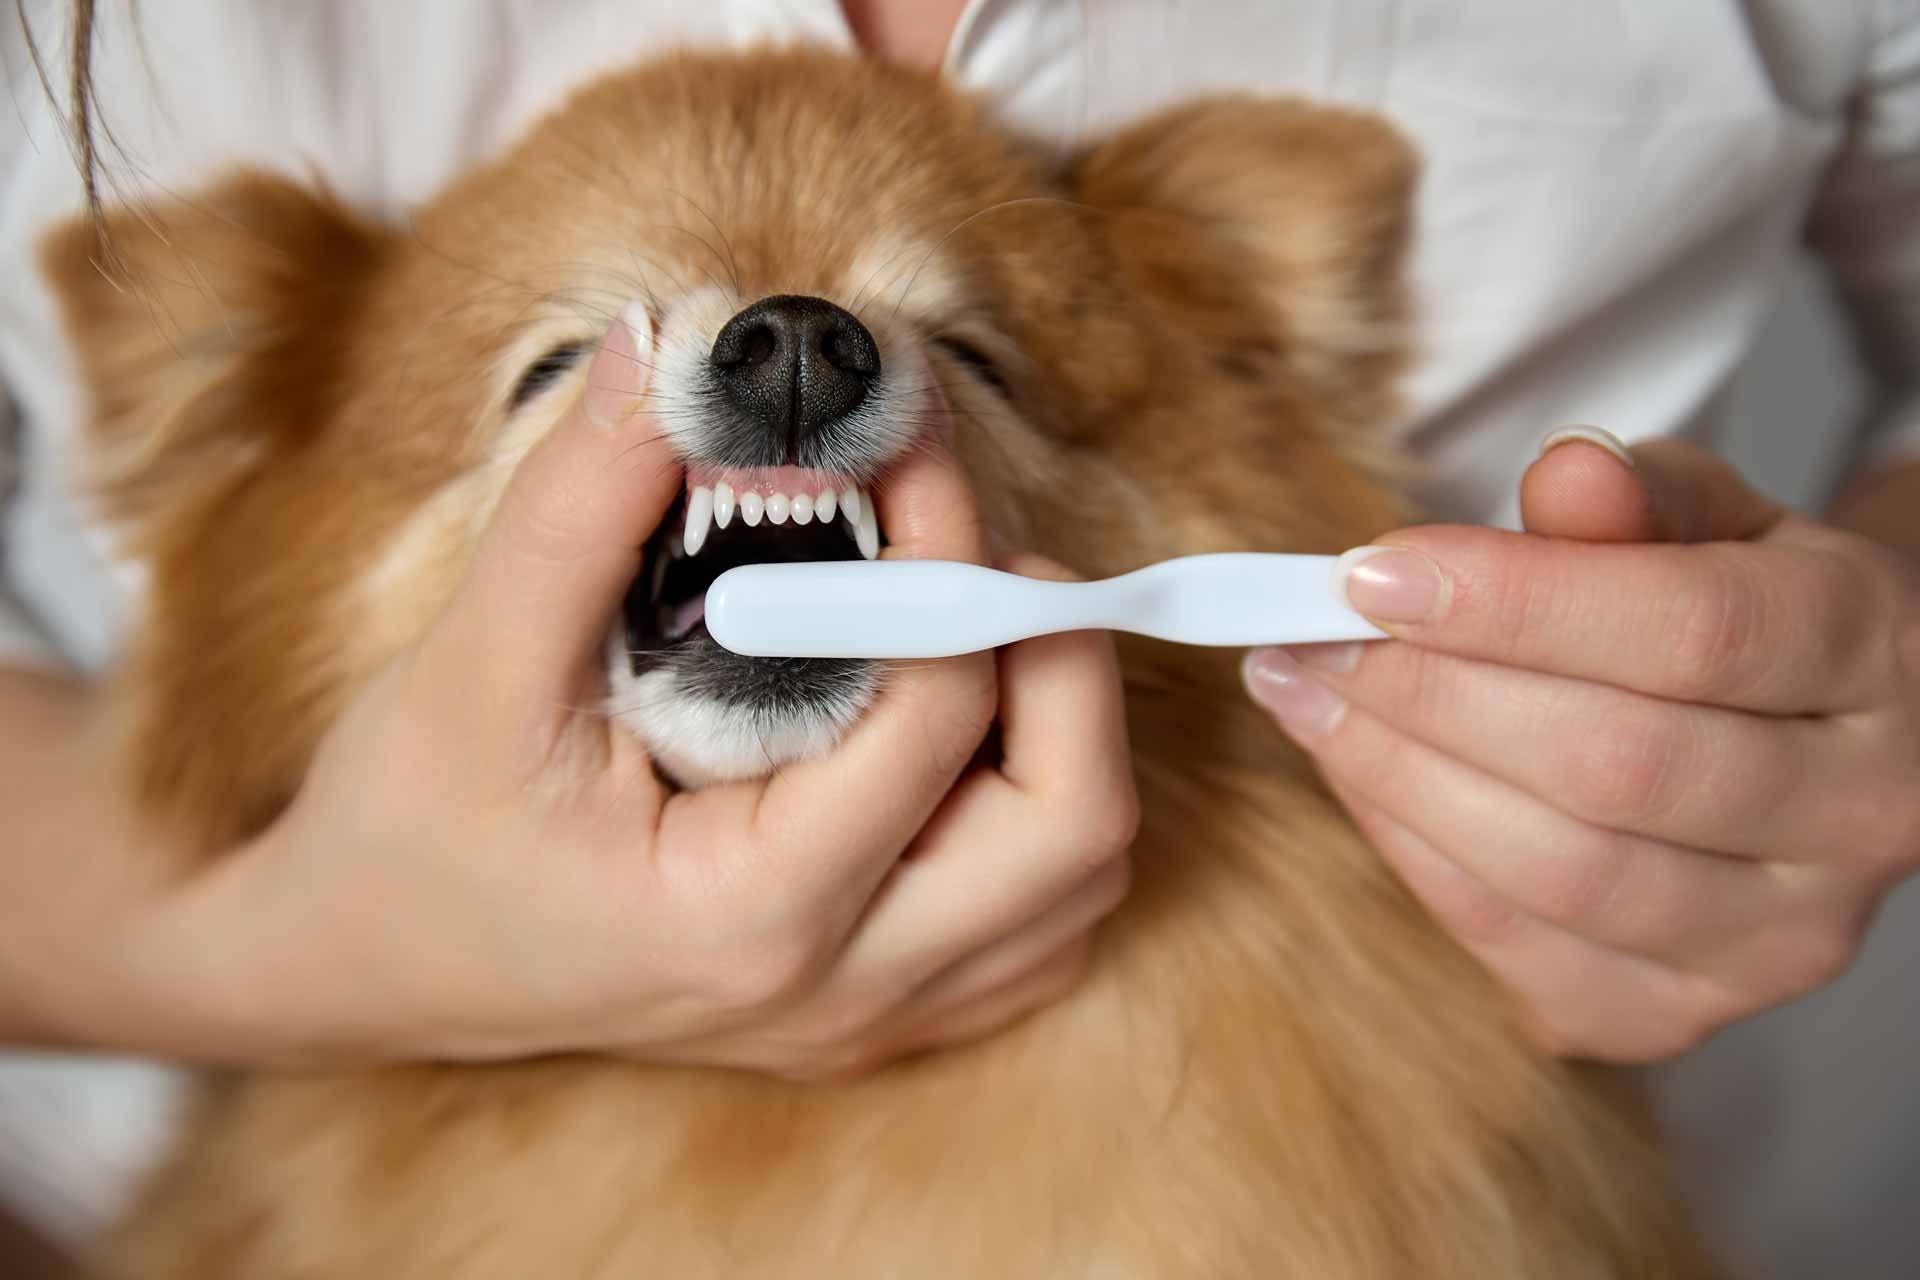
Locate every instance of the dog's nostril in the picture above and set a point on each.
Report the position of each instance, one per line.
(756, 347)
(842, 354)
(794, 365)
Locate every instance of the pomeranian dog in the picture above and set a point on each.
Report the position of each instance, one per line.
(1175, 342)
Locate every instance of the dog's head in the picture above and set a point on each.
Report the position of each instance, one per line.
(301, 419)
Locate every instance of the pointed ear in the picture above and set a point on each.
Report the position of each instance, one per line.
(1307, 208)
(196, 322)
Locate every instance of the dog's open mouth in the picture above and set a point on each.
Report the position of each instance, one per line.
(724, 519)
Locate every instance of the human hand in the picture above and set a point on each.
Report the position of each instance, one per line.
(1654, 763)
(481, 865)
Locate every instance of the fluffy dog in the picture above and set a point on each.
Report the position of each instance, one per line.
(1175, 342)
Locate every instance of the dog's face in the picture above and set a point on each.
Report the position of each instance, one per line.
(302, 421)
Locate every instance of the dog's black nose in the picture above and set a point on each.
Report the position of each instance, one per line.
(794, 365)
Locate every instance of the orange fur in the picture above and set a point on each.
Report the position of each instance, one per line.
(1278, 1065)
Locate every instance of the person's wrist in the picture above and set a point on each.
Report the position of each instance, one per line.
(92, 979)
(222, 972)
(79, 876)
(258, 963)
(36, 1013)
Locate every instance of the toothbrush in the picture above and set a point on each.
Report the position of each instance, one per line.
(937, 608)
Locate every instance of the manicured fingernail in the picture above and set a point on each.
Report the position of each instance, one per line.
(619, 370)
(1305, 708)
(1334, 659)
(1589, 435)
(1390, 584)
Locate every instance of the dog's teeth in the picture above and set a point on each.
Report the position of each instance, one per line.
(723, 504)
(802, 509)
(675, 547)
(699, 513)
(823, 506)
(750, 508)
(777, 508)
(866, 531)
(850, 505)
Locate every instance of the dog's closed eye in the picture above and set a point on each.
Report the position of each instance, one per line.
(544, 372)
(976, 360)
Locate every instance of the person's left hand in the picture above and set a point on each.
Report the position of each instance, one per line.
(1654, 762)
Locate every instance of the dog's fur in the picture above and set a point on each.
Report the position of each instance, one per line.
(1278, 1066)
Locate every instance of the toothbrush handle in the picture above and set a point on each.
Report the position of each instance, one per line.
(935, 609)
(1238, 598)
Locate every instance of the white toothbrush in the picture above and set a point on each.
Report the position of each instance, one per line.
(937, 608)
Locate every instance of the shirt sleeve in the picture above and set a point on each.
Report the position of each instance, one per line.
(23, 641)
(1866, 225)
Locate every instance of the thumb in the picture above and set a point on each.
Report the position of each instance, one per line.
(529, 625)
(1589, 486)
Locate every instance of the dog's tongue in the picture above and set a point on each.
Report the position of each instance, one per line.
(687, 615)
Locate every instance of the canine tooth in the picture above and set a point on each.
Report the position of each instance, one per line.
(777, 508)
(699, 512)
(750, 508)
(850, 504)
(823, 506)
(802, 509)
(867, 531)
(723, 504)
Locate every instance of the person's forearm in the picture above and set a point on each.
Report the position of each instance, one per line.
(1883, 505)
(110, 941)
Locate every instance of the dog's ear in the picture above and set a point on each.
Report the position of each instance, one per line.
(1305, 211)
(207, 329)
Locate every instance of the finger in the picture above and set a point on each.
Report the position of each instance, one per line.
(1584, 486)
(1754, 786)
(528, 626)
(1063, 719)
(1588, 485)
(1579, 998)
(959, 1014)
(1005, 844)
(1628, 892)
(1700, 497)
(1771, 627)
(981, 1012)
(1025, 948)
(829, 829)
(981, 875)
(1031, 989)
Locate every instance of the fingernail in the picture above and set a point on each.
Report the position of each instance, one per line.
(619, 369)
(1589, 435)
(1334, 659)
(1390, 584)
(1305, 708)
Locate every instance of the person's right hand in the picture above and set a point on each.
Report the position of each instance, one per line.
(480, 865)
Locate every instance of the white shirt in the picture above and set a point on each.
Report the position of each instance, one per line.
(1613, 188)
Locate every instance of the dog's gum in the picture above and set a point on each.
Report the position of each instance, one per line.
(765, 481)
